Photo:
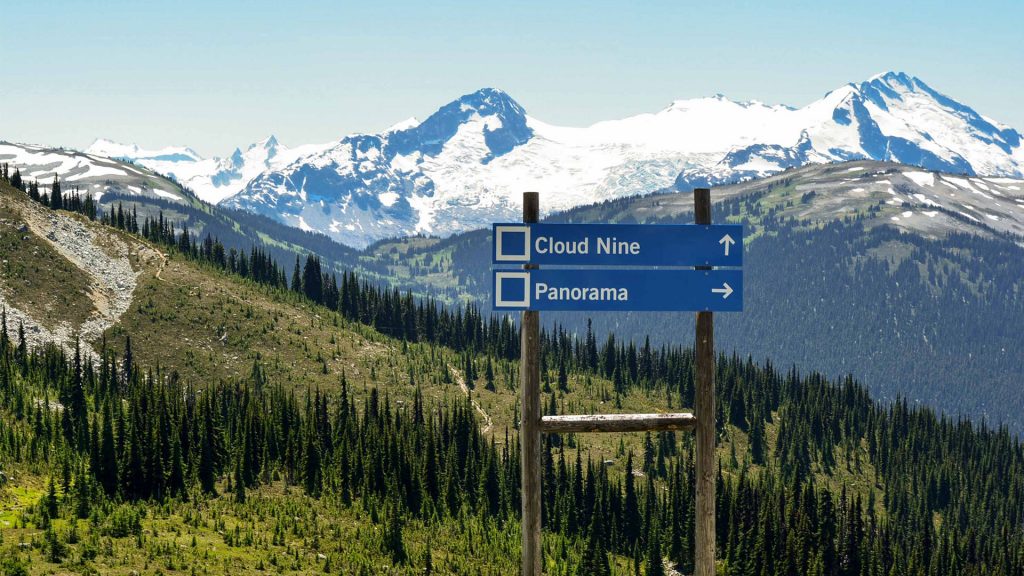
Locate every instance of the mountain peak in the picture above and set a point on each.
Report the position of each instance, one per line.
(505, 130)
(267, 143)
(493, 97)
(892, 76)
(895, 83)
(490, 102)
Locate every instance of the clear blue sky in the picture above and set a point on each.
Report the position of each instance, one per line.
(215, 75)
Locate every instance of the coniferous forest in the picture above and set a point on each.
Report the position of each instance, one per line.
(908, 314)
(142, 470)
(126, 442)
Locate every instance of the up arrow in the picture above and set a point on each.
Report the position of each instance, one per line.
(728, 241)
(726, 290)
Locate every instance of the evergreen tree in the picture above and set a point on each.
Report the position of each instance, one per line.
(489, 375)
(631, 508)
(393, 542)
(312, 279)
(239, 481)
(594, 561)
(311, 470)
(297, 277)
(107, 471)
(56, 197)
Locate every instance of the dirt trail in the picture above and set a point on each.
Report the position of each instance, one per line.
(163, 264)
(465, 390)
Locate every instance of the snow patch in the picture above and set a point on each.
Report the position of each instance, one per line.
(921, 178)
(166, 194)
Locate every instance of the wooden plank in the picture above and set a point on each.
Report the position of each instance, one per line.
(530, 428)
(704, 407)
(617, 422)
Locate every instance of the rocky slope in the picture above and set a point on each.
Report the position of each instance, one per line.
(109, 263)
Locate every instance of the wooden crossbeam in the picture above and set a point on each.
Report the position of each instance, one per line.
(617, 422)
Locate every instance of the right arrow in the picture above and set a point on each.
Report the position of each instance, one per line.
(726, 290)
(728, 241)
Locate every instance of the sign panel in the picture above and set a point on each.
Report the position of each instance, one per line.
(618, 244)
(619, 290)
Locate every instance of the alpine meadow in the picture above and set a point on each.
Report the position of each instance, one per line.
(713, 338)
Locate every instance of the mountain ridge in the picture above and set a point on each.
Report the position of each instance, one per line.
(464, 165)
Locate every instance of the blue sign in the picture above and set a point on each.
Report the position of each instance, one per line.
(618, 244)
(619, 290)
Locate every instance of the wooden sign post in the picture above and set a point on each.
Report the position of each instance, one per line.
(704, 405)
(530, 429)
(534, 424)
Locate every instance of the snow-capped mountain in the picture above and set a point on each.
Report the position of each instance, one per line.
(212, 179)
(892, 117)
(467, 164)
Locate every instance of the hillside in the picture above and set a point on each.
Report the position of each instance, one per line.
(909, 280)
(247, 429)
(860, 223)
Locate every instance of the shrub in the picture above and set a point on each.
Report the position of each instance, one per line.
(124, 521)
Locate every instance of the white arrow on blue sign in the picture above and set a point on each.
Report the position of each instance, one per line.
(619, 290)
(618, 244)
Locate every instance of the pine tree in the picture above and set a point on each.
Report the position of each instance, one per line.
(631, 508)
(757, 446)
(209, 457)
(52, 545)
(77, 408)
(82, 496)
(107, 471)
(49, 503)
(239, 481)
(489, 375)
(470, 375)
(312, 279)
(655, 567)
(311, 469)
(128, 363)
(393, 544)
(297, 277)
(594, 561)
(176, 478)
(56, 197)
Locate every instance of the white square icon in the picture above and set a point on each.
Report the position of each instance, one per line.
(512, 289)
(512, 243)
